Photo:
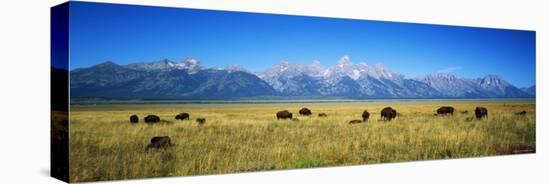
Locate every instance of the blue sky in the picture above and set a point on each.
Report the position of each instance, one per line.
(127, 34)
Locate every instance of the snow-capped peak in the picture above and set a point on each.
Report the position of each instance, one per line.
(344, 79)
(492, 81)
(283, 66)
(191, 61)
(344, 67)
(344, 61)
(189, 64)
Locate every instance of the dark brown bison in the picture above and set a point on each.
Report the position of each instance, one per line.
(366, 115)
(159, 142)
(201, 120)
(134, 119)
(445, 110)
(322, 115)
(305, 112)
(522, 113)
(355, 121)
(182, 116)
(464, 112)
(151, 119)
(284, 115)
(481, 112)
(388, 113)
(295, 119)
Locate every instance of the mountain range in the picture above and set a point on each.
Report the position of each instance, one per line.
(188, 79)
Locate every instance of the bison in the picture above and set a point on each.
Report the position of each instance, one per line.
(182, 116)
(366, 115)
(159, 142)
(445, 110)
(522, 113)
(481, 112)
(284, 115)
(305, 112)
(201, 120)
(324, 115)
(295, 119)
(355, 121)
(151, 119)
(388, 113)
(464, 112)
(134, 119)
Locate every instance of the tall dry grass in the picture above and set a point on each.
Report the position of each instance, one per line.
(247, 137)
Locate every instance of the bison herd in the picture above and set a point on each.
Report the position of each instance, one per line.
(386, 114)
(150, 119)
(162, 142)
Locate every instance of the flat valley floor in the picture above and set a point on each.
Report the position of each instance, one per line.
(244, 137)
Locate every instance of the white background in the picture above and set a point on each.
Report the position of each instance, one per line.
(24, 84)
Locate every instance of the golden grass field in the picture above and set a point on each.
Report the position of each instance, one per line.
(247, 137)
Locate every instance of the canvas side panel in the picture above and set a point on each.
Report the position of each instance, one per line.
(59, 92)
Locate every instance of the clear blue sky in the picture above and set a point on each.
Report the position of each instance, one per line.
(127, 34)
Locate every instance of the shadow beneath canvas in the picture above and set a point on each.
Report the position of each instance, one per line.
(45, 171)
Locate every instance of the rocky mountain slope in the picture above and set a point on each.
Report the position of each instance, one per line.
(167, 79)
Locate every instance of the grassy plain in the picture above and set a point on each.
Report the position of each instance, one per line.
(247, 137)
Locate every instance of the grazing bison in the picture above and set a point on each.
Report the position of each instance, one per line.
(295, 119)
(322, 115)
(305, 112)
(464, 112)
(366, 115)
(388, 113)
(201, 121)
(481, 112)
(151, 119)
(134, 119)
(445, 110)
(355, 121)
(284, 115)
(522, 113)
(182, 116)
(159, 142)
